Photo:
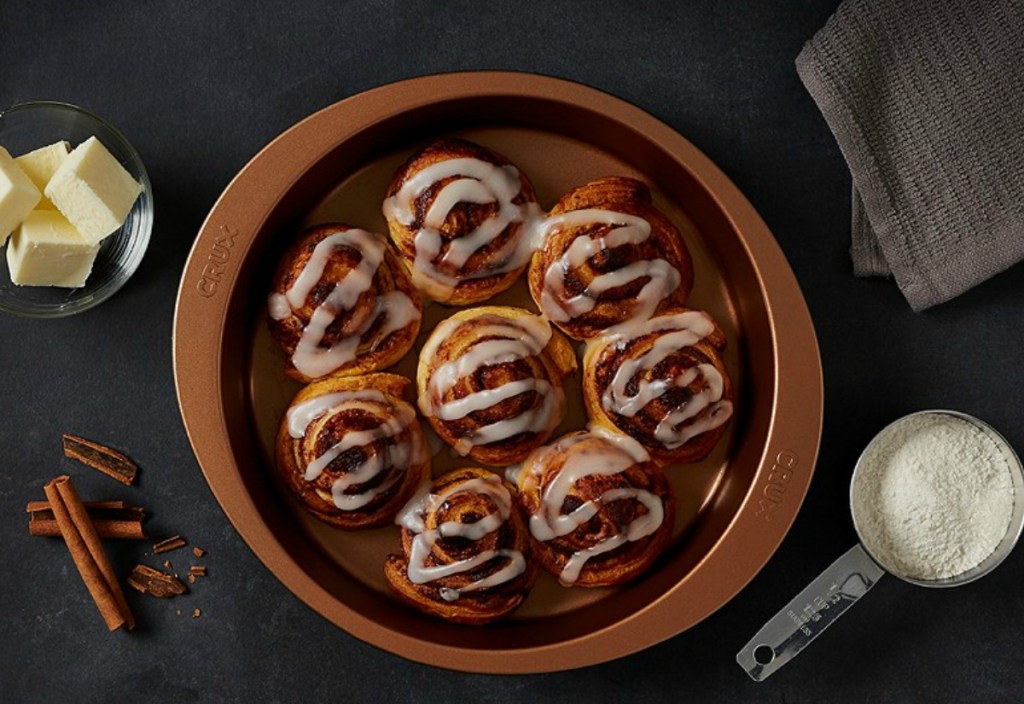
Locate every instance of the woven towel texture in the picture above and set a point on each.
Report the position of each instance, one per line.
(926, 101)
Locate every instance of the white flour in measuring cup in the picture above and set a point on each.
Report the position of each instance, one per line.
(933, 498)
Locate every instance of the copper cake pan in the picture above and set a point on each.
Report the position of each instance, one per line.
(734, 508)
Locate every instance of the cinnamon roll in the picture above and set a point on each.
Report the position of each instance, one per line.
(608, 256)
(465, 549)
(662, 382)
(342, 303)
(460, 216)
(352, 450)
(600, 512)
(490, 382)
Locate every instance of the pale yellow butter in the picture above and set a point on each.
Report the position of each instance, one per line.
(93, 190)
(40, 166)
(18, 195)
(46, 250)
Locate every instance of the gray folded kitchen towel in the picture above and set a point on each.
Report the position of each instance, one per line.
(926, 101)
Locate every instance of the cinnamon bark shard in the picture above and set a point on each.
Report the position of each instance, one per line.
(155, 583)
(197, 570)
(110, 462)
(198, 552)
(169, 544)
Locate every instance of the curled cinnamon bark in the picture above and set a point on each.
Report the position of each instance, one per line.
(104, 459)
(155, 583)
(111, 519)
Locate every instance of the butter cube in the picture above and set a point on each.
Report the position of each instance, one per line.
(40, 166)
(18, 195)
(93, 190)
(48, 251)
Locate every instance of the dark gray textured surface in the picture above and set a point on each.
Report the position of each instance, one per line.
(199, 88)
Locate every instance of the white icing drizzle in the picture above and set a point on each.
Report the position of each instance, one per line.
(302, 414)
(462, 407)
(411, 517)
(512, 473)
(399, 456)
(482, 182)
(684, 422)
(309, 357)
(401, 311)
(663, 278)
(516, 339)
(639, 528)
(279, 307)
(548, 522)
(622, 441)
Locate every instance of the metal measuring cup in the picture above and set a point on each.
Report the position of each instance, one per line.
(851, 576)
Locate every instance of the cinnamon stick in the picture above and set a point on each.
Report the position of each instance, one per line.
(109, 461)
(87, 552)
(80, 517)
(115, 530)
(34, 506)
(111, 519)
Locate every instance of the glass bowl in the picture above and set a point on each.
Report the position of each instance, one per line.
(28, 126)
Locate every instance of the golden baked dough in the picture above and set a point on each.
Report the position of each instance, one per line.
(662, 382)
(460, 215)
(608, 256)
(352, 450)
(600, 512)
(490, 382)
(342, 303)
(465, 550)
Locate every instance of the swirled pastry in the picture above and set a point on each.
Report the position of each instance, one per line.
(608, 256)
(352, 450)
(600, 511)
(662, 382)
(460, 217)
(490, 382)
(342, 303)
(465, 550)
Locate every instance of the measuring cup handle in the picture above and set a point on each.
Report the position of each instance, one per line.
(812, 611)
